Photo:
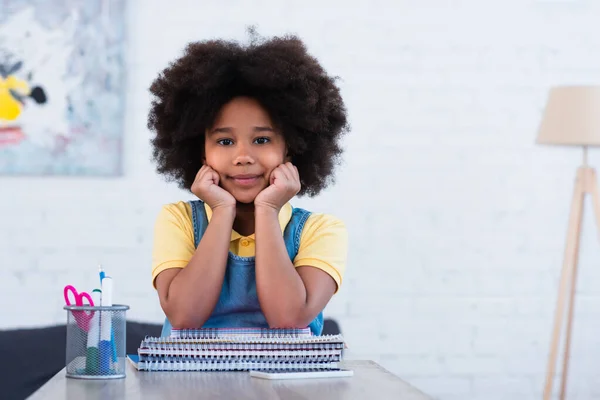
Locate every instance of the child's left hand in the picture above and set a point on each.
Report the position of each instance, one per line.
(284, 184)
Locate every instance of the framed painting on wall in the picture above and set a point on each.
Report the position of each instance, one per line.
(62, 78)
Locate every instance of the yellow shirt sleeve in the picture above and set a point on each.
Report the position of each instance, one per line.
(173, 238)
(324, 245)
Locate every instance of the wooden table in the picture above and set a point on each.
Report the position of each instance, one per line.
(370, 382)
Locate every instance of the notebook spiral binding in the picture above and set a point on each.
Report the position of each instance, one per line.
(157, 357)
(173, 365)
(243, 339)
(214, 333)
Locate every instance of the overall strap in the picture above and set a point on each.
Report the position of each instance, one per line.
(199, 220)
(293, 231)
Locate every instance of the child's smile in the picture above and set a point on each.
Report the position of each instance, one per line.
(246, 180)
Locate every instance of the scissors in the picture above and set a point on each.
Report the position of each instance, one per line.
(81, 317)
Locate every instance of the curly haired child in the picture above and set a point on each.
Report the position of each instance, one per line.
(245, 129)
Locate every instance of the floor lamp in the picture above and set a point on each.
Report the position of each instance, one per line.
(571, 118)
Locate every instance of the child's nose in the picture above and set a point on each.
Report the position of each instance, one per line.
(243, 155)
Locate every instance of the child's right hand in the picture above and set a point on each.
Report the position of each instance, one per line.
(206, 187)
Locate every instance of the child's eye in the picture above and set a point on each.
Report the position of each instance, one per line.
(225, 142)
(262, 140)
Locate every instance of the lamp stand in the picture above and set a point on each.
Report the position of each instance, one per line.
(585, 183)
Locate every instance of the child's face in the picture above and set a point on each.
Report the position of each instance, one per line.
(243, 148)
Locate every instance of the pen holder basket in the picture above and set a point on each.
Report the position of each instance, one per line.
(96, 339)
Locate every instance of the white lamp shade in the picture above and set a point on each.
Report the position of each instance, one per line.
(571, 117)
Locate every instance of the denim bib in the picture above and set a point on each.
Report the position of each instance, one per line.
(238, 304)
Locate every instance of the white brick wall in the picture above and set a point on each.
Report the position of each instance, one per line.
(457, 220)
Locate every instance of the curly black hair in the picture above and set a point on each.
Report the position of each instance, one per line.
(302, 100)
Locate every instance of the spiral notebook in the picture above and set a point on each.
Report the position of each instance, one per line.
(235, 349)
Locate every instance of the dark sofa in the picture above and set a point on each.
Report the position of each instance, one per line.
(37, 354)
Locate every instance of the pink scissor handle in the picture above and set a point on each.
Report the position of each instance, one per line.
(81, 317)
(78, 296)
(70, 288)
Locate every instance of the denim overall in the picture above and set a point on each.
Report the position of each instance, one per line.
(238, 302)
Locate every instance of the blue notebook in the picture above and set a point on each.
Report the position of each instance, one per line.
(134, 359)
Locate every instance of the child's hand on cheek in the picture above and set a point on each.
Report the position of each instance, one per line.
(206, 187)
(284, 184)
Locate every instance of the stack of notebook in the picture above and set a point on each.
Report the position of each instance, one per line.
(239, 349)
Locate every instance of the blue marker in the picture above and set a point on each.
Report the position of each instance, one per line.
(112, 331)
(104, 347)
(113, 344)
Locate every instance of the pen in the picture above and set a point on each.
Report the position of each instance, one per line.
(104, 348)
(112, 332)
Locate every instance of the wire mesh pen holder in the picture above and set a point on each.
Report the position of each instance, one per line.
(96, 339)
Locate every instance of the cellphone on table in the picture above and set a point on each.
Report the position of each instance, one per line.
(302, 374)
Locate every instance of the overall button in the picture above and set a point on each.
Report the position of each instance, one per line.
(245, 242)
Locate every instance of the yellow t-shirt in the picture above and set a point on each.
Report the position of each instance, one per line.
(323, 243)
